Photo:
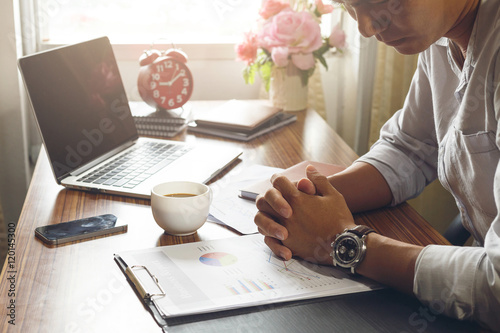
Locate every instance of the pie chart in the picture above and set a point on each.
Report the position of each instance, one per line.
(218, 259)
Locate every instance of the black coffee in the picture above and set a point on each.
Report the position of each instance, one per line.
(180, 195)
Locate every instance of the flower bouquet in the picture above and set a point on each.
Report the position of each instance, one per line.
(288, 32)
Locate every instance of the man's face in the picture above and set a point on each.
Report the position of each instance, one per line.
(410, 26)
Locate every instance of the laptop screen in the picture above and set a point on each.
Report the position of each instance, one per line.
(79, 103)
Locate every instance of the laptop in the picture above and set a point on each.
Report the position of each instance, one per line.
(88, 131)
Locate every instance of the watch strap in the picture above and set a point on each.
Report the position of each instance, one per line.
(361, 230)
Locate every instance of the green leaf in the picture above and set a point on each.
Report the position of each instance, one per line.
(265, 73)
(249, 74)
(322, 60)
(319, 53)
(304, 76)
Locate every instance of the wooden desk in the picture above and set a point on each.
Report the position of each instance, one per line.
(79, 288)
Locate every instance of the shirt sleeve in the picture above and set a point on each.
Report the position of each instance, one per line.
(464, 282)
(406, 152)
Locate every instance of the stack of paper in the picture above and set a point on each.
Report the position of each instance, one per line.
(228, 208)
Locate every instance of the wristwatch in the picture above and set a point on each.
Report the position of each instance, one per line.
(349, 247)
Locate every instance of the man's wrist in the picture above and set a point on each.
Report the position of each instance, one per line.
(390, 262)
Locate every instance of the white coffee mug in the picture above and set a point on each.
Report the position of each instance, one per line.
(180, 207)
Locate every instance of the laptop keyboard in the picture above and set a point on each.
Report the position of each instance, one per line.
(137, 165)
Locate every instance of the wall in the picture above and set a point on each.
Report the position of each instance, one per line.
(13, 156)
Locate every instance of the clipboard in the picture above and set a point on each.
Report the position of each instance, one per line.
(185, 282)
(146, 297)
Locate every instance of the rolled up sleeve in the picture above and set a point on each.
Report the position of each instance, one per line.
(461, 282)
(408, 166)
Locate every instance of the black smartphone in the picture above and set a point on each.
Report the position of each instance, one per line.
(88, 227)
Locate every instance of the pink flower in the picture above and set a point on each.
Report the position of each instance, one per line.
(272, 7)
(280, 56)
(247, 50)
(297, 31)
(303, 61)
(337, 38)
(322, 8)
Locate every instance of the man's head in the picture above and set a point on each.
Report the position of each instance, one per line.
(410, 26)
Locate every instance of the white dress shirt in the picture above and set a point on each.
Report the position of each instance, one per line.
(449, 128)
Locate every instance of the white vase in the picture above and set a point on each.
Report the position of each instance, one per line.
(287, 89)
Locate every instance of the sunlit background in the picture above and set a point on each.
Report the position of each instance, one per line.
(132, 21)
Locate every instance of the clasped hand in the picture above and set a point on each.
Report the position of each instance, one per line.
(302, 219)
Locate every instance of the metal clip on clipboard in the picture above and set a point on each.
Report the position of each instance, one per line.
(139, 286)
(146, 297)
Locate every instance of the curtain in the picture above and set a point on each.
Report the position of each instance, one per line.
(392, 81)
(343, 82)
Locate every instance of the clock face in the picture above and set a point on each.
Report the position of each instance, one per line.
(169, 83)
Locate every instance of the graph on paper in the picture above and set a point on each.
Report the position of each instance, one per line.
(218, 259)
(302, 275)
(247, 286)
(292, 269)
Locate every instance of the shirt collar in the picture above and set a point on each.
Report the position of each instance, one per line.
(443, 41)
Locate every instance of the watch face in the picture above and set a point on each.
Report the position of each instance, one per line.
(347, 250)
(170, 83)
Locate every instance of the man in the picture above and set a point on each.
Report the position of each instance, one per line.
(448, 128)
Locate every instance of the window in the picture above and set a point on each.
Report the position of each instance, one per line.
(205, 29)
(145, 21)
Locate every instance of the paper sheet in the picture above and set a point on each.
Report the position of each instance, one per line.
(235, 272)
(228, 208)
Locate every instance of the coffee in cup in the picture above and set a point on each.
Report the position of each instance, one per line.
(180, 195)
(180, 207)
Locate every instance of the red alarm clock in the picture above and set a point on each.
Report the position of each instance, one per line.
(165, 81)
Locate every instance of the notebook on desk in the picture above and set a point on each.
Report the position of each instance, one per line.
(242, 120)
(237, 115)
(88, 131)
(293, 173)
